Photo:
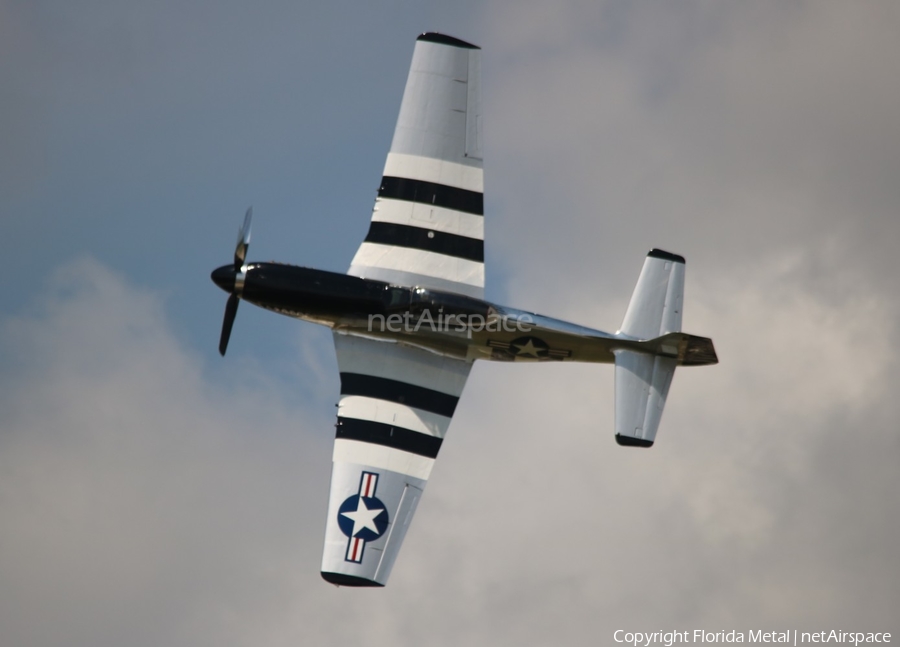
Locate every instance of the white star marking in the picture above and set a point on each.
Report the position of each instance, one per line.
(528, 349)
(363, 518)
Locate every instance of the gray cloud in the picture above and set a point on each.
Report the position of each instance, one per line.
(724, 132)
(146, 501)
(141, 502)
(759, 141)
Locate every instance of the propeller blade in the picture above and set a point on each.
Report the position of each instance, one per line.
(225, 279)
(230, 312)
(243, 241)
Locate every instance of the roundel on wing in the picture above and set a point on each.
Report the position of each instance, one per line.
(365, 517)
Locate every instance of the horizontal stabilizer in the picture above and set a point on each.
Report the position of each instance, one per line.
(644, 372)
(642, 383)
(655, 307)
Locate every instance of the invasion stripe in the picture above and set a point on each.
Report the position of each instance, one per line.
(382, 458)
(388, 233)
(379, 433)
(426, 215)
(393, 413)
(410, 395)
(440, 195)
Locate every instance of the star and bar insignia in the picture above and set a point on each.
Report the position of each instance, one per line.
(525, 349)
(362, 517)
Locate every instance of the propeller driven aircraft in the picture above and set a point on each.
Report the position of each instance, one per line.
(409, 318)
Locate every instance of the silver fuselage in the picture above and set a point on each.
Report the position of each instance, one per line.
(442, 322)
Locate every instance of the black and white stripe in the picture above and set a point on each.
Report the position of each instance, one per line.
(379, 433)
(432, 193)
(427, 226)
(429, 240)
(410, 395)
(393, 413)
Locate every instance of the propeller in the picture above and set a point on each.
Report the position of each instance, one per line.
(231, 279)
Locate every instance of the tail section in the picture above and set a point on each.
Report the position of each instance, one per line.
(644, 372)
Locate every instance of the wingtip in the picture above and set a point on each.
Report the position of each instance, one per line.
(444, 39)
(669, 256)
(341, 579)
(631, 441)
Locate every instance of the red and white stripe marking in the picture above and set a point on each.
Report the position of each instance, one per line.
(355, 549)
(367, 486)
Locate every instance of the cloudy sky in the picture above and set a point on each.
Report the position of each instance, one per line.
(152, 493)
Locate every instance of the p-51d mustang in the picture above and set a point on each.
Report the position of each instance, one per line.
(409, 318)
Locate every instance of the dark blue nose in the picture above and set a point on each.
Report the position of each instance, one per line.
(224, 277)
